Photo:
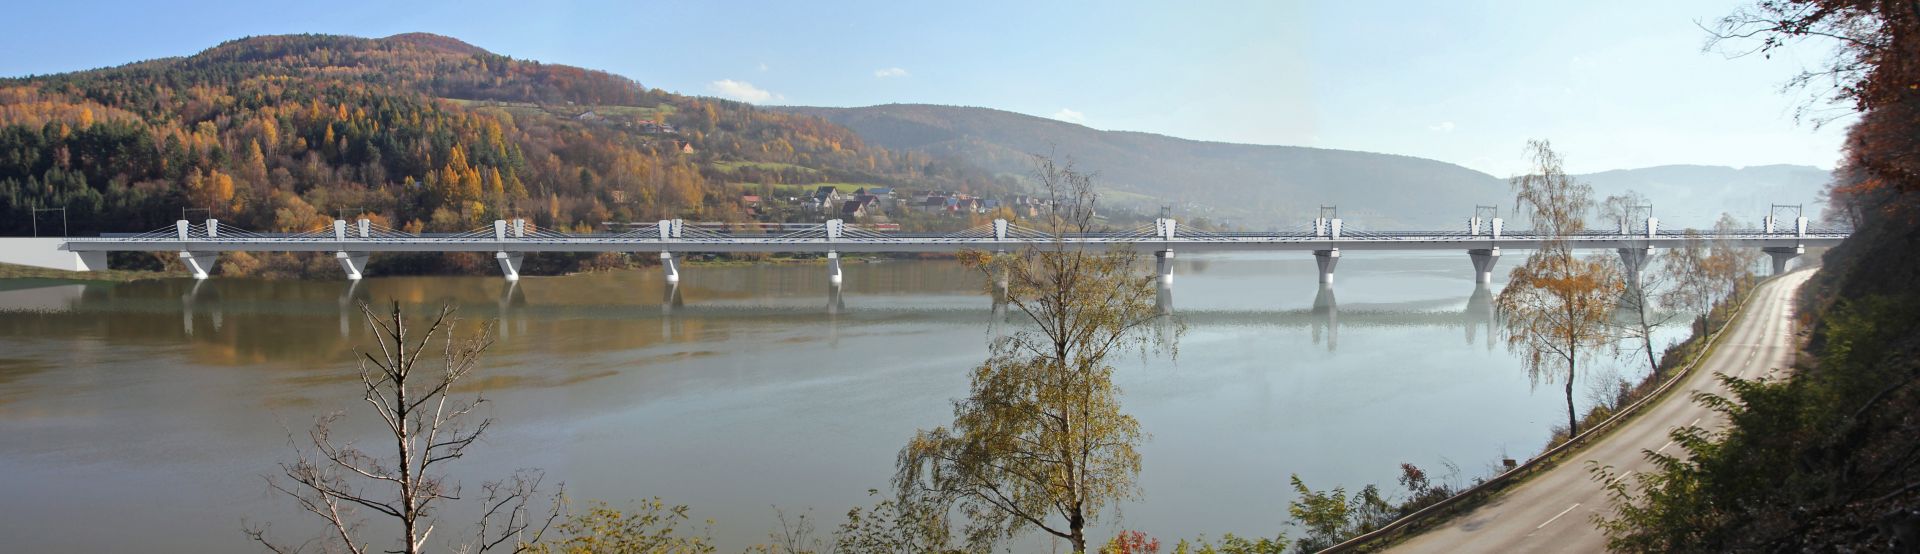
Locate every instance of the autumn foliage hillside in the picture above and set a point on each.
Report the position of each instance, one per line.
(415, 131)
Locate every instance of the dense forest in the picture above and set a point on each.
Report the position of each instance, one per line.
(416, 132)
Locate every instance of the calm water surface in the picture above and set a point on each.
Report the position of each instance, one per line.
(142, 416)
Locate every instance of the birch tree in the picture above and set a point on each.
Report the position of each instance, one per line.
(1639, 314)
(1040, 442)
(1555, 305)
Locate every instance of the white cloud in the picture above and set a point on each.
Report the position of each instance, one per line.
(1441, 127)
(1070, 116)
(890, 72)
(742, 91)
(763, 66)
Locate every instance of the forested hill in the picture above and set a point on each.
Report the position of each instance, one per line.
(1696, 195)
(415, 131)
(1252, 185)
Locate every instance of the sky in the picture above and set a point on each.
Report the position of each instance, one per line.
(1613, 85)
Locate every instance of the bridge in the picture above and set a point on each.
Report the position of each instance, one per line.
(199, 243)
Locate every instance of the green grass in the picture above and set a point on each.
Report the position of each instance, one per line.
(804, 190)
(11, 271)
(731, 166)
(1124, 196)
(525, 109)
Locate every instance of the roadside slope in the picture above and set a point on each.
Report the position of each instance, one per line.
(1551, 512)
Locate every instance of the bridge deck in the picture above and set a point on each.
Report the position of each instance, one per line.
(852, 239)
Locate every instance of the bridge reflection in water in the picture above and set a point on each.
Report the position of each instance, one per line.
(202, 308)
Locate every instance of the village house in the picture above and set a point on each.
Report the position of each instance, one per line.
(853, 209)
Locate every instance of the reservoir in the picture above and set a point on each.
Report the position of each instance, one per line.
(145, 415)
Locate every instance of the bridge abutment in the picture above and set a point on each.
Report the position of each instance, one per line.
(1783, 256)
(510, 264)
(1483, 262)
(1327, 260)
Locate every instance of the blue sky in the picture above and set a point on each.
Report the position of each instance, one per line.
(1613, 84)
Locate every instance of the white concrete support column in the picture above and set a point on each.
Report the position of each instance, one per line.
(833, 267)
(1327, 260)
(1000, 275)
(200, 263)
(510, 264)
(1783, 256)
(355, 263)
(669, 268)
(1165, 261)
(1483, 262)
(1633, 260)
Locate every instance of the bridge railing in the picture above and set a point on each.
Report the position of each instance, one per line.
(519, 231)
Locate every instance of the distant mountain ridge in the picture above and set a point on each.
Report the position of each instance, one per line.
(1252, 185)
(1260, 186)
(1696, 195)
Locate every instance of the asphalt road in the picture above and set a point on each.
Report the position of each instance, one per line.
(1551, 513)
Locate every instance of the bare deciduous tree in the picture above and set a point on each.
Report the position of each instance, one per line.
(1640, 315)
(336, 479)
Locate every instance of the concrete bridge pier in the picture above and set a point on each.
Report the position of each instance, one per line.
(1483, 262)
(1000, 272)
(1783, 255)
(1633, 261)
(669, 268)
(354, 262)
(1164, 259)
(510, 264)
(200, 263)
(833, 268)
(1326, 259)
